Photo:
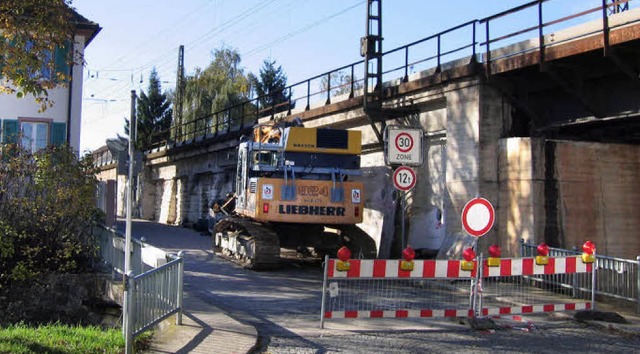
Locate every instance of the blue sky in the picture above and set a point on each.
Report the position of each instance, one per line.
(305, 37)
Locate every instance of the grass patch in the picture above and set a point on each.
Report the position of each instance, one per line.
(64, 339)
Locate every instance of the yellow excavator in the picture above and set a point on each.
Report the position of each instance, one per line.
(294, 189)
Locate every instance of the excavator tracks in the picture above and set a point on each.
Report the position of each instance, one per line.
(248, 243)
(359, 242)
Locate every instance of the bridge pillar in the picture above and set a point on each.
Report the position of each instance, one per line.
(475, 120)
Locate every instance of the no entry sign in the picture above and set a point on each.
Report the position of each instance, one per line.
(478, 216)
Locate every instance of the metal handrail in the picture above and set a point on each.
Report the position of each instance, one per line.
(225, 118)
(617, 277)
(154, 292)
(156, 295)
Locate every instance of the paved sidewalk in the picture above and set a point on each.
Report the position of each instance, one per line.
(205, 329)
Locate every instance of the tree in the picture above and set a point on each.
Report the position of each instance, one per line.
(270, 86)
(341, 83)
(213, 97)
(154, 115)
(34, 32)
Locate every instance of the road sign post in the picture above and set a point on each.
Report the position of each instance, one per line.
(404, 179)
(403, 146)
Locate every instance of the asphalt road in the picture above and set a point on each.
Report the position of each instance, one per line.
(284, 306)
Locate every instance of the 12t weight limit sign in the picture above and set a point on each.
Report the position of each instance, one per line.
(404, 178)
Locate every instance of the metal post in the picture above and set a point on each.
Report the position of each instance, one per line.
(541, 36)
(324, 290)
(479, 277)
(638, 285)
(308, 95)
(438, 69)
(473, 40)
(593, 282)
(328, 89)
(180, 287)
(127, 317)
(488, 57)
(403, 196)
(605, 28)
(406, 64)
(132, 138)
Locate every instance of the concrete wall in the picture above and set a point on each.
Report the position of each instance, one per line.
(521, 193)
(598, 196)
(559, 192)
(565, 193)
(476, 116)
(179, 188)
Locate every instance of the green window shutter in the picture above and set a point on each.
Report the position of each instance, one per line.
(58, 133)
(61, 58)
(10, 130)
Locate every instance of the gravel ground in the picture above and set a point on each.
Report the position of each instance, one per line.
(559, 337)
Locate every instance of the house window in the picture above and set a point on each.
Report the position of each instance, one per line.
(53, 63)
(34, 135)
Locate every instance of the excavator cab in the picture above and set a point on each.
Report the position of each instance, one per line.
(292, 184)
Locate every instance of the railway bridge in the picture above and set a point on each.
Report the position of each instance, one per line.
(542, 120)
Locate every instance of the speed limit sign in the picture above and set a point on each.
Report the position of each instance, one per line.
(404, 178)
(404, 146)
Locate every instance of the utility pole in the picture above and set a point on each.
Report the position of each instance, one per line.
(371, 50)
(133, 122)
(126, 316)
(177, 111)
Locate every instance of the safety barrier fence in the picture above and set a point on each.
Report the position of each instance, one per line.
(153, 287)
(616, 277)
(521, 286)
(357, 288)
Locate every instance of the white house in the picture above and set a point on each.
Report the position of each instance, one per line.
(58, 124)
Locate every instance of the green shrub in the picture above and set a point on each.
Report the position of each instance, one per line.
(47, 207)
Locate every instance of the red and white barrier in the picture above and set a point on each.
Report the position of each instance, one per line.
(399, 313)
(390, 268)
(528, 266)
(391, 303)
(500, 311)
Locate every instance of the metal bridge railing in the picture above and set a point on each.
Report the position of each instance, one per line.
(155, 295)
(616, 277)
(154, 285)
(111, 243)
(485, 41)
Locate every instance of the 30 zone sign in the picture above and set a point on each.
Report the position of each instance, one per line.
(404, 146)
